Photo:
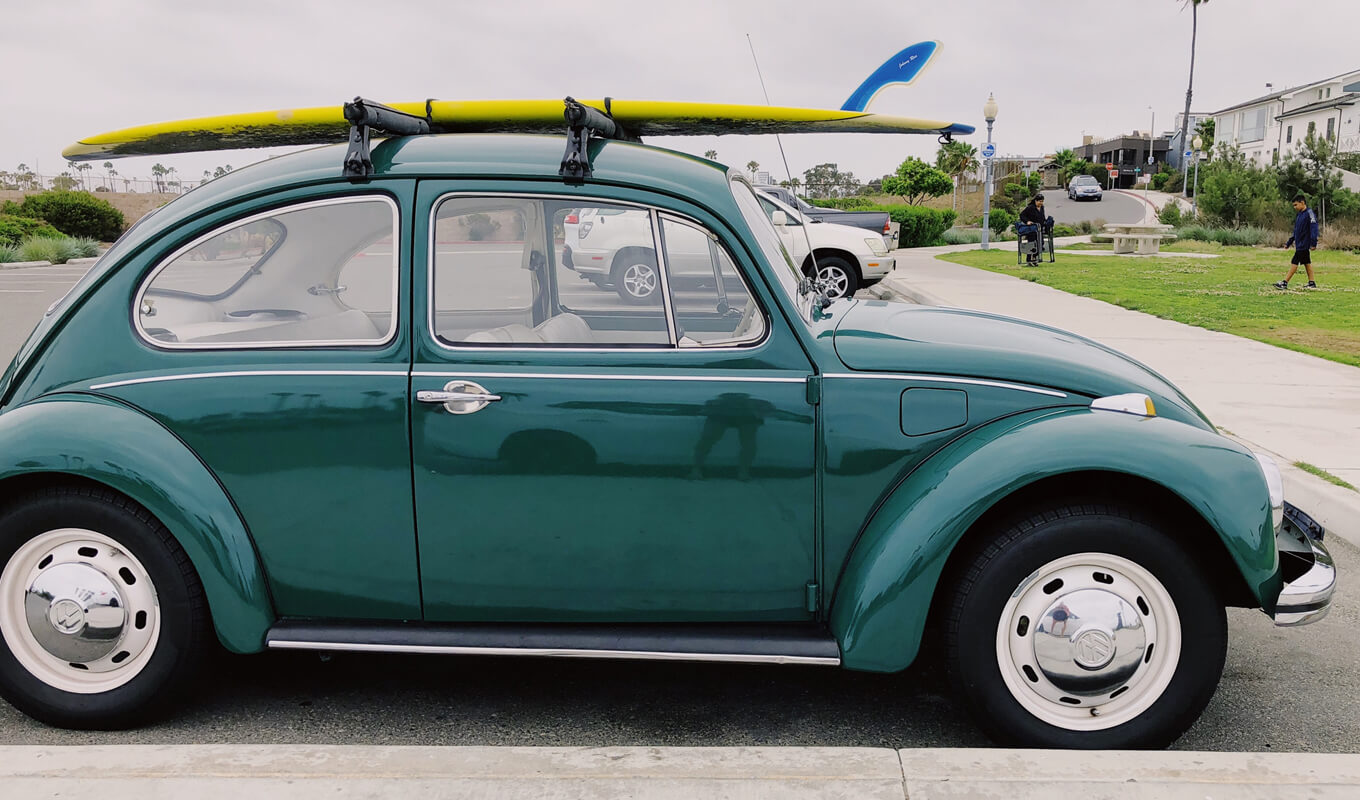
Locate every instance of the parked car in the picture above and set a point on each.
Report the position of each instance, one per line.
(386, 425)
(840, 255)
(1084, 187)
(877, 221)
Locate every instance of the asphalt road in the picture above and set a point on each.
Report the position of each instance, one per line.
(1282, 689)
(1114, 207)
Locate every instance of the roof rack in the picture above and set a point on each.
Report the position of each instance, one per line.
(582, 121)
(365, 115)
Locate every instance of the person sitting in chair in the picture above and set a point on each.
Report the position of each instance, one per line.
(1033, 215)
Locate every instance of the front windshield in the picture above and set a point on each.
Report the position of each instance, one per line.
(767, 238)
(1084, 180)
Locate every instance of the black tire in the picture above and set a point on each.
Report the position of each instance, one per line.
(185, 627)
(997, 570)
(635, 276)
(835, 265)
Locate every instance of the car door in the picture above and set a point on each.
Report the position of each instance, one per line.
(282, 360)
(579, 456)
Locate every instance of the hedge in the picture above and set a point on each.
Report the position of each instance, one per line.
(72, 213)
(843, 203)
(920, 226)
(14, 229)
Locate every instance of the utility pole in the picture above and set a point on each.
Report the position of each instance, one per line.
(1147, 173)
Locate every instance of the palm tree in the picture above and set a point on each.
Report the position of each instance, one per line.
(753, 166)
(82, 168)
(110, 172)
(1189, 89)
(711, 155)
(158, 172)
(1066, 159)
(956, 159)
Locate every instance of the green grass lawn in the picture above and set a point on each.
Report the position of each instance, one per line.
(1232, 293)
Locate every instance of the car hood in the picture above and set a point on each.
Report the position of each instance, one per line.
(898, 337)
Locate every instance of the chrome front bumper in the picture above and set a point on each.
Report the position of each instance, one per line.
(1310, 574)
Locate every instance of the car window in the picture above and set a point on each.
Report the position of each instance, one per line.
(318, 274)
(530, 272)
(712, 304)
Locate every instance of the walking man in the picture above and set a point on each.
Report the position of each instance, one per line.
(1305, 238)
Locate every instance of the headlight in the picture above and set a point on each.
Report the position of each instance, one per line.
(876, 245)
(1275, 483)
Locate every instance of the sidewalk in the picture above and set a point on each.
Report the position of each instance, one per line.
(1154, 202)
(271, 772)
(1294, 406)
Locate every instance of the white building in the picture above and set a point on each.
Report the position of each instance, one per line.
(1270, 128)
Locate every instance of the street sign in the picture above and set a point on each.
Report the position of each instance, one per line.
(1150, 161)
(988, 150)
(1188, 153)
(1109, 166)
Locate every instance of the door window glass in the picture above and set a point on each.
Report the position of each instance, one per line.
(711, 302)
(319, 274)
(529, 272)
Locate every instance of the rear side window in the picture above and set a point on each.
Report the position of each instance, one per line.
(313, 275)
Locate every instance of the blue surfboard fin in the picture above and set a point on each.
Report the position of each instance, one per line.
(902, 68)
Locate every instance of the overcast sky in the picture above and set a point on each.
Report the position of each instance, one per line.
(1058, 67)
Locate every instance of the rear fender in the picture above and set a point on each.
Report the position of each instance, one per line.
(881, 606)
(101, 440)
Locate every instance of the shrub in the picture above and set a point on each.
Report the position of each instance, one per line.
(8, 253)
(843, 203)
(1066, 230)
(14, 229)
(919, 227)
(74, 214)
(1159, 181)
(1001, 220)
(1170, 213)
(961, 236)
(57, 250)
(1336, 237)
(1236, 237)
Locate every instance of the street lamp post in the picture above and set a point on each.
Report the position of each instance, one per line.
(989, 114)
(1147, 172)
(1194, 209)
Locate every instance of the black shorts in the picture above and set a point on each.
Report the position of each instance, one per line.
(1302, 257)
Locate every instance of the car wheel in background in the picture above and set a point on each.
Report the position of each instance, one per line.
(102, 616)
(1085, 627)
(839, 274)
(636, 277)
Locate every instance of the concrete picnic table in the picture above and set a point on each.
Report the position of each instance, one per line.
(1140, 238)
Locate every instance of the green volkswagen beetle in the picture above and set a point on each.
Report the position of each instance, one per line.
(296, 409)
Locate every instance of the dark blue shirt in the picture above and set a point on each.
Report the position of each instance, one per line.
(1305, 230)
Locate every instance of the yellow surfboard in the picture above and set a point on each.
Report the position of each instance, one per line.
(325, 125)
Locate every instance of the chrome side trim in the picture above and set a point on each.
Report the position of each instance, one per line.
(589, 377)
(552, 652)
(938, 379)
(310, 344)
(247, 374)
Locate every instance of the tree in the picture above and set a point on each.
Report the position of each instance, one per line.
(753, 166)
(823, 180)
(158, 173)
(1233, 189)
(956, 159)
(1312, 171)
(916, 181)
(110, 172)
(711, 155)
(1068, 162)
(1205, 130)
(64, 182)
(1190, 87)
(82, 168)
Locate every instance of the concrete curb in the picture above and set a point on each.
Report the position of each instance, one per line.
(24, 264)
(224, 772)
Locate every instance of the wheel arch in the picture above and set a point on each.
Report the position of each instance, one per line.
(89, 440)
(833, 252)
(933, 520)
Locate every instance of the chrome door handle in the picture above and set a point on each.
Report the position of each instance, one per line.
(460, 397)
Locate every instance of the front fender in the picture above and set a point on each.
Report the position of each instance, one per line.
(101, 440)
(883, 600)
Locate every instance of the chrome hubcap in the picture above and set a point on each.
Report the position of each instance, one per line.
(75, 612)
(639, 280)
(78, 611)
(1089, 641)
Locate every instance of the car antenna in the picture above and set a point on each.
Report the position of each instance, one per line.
(812, 256)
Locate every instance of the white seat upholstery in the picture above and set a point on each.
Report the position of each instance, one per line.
(561, 329)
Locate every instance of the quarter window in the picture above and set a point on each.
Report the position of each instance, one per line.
(712, 304)
(314, 275)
